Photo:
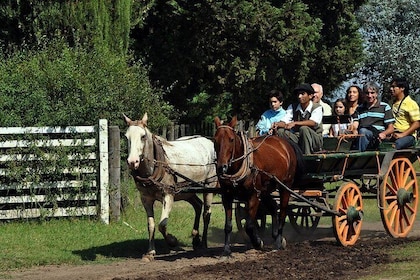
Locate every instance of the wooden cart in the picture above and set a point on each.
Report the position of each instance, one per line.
(387, 175)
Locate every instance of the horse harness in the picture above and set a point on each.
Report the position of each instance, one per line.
(247, 168)
(161, 167)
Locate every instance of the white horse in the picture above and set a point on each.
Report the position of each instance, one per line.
(163, 169)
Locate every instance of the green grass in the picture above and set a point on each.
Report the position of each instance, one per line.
(25, 244)
(404, 265)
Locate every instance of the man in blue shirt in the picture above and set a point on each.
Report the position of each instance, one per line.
(275, 114)
(375, 119)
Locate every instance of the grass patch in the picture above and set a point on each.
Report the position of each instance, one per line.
(404, 265)
(77, 241)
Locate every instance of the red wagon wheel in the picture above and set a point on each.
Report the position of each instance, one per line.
(398, 198)
(348, 202)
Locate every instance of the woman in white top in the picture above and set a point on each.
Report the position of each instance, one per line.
(340, 108)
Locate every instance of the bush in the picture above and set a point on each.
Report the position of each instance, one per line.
(63, 86)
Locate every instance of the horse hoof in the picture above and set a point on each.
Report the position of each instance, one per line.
(196, 243)
(259, 245)
(147, 258)
(171, 240)
(283, 244)
(225, 258)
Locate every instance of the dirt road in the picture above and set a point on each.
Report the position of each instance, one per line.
(314, 257)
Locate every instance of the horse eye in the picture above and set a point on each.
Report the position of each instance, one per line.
(143, 137)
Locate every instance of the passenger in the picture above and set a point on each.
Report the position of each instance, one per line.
(327, 110)
(354, 97)
(376, 122)
(406, 113)
(275, 114)
(303, 121)
(340, 109)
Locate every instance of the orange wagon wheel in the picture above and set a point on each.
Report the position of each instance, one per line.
(348, 202)
(398, 197)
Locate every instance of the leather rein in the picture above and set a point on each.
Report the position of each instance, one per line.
(161, 167)
(247, 158)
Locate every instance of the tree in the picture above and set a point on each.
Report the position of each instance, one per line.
(89, 23)
(221, 53)
(66, 63)
(391, 30)
(340, 46)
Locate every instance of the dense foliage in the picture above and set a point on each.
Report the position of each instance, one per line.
(209, 57)
(67, 63)
(391, 30)
(60, 85)
(225, 56)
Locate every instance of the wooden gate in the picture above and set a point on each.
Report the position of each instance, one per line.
(54, 172)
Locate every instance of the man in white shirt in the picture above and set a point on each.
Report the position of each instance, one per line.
(319, 93)
(303, 121)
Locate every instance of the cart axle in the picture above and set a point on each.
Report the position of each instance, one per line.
(404, 197)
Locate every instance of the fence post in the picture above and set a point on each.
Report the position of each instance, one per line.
(103, 170)
(114, 173)
(251, 129)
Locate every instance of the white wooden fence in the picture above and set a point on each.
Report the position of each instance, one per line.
(33, 184)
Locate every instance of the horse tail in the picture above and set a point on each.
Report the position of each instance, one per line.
(300, 166)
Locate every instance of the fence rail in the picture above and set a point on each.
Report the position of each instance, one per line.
(54, 171)
(174, 131)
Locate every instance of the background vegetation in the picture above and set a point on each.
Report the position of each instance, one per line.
(181, 60)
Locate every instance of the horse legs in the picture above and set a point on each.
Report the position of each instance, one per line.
(251, 222)
(148, 207)
(208, 200)
(167, 203)
(227, 200)
(197, 204)
(280, 241)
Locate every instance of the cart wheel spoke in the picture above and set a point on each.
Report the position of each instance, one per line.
(398, 198)
(304, 218)
(348, 202)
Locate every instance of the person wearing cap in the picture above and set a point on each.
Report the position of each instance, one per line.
(274, 114)
(303, 121)
(327, 110)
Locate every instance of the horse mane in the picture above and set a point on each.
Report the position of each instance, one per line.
(163, 140)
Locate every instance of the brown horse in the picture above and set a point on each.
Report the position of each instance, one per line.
(253, 171)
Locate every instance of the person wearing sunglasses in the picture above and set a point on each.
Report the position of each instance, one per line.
(406, 113)
(376, 122)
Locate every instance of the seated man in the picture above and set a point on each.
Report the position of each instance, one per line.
(274, 114)
(327, 110)
(303, 122)
(375, 119)
(406, 114)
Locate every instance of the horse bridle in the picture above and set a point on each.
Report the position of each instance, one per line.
(247, 152)
(232, 159)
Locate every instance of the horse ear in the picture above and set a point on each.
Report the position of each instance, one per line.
(217, 121)
(144, 119)
(127, 120)
(233, 122)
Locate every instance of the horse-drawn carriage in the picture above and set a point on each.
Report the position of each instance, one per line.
(387, 174)
(335, 182)
(268, 171)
